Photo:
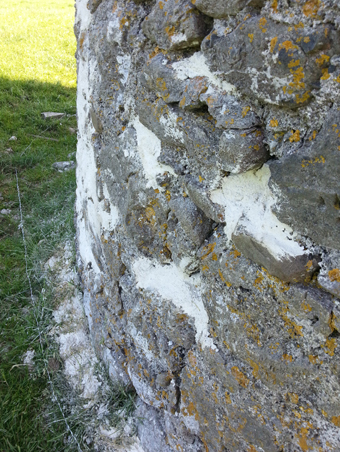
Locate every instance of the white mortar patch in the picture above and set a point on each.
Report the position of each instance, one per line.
(149, 149)
(196, 66)
(247, 197)
(173, 284)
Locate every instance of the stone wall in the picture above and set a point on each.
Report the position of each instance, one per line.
(208, 215)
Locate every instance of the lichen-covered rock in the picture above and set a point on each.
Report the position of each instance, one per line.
(175, 24)
(208, 217)
(309, 182)
(242, 150)
(271, 61)
(222, 8)
(329, 276)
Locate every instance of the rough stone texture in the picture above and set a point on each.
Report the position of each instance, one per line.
(208, 221)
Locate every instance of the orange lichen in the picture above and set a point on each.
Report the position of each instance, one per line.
(336, 420)
(287, 45)
(273, 42)
(245, 111)
(287, 358)
(320, 159)
(311, 8)
(330, 346)
(241, 379)
(251, 37)
(208, 249)
(325, 74)
(273, 122)
(295, 137)
(322, 59)
(274, 6)
(262, 23)
(334, 275)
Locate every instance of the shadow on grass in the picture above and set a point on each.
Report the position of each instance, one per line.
(47, 202)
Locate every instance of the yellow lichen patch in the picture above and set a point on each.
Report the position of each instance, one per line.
(292, 328)
(287, 358)
(251, 447)
(313, 136)
(325, 74)
(305, 306)
(251, 37)
(306, 39)
(273, 42)
(294, 398)
(334, 275)
(287, 45)
(320, 159)
(262, 23)
(314, 359)
(300, 99)
(298, 76)
(161, 5)
(299, 25)
(200, 178)
(241, 379)
(168, 195)
(330, 346)
(274, 6)
(322, 59)
(273, 122)
(294, 63)
(310, 8)
(295, 136)
(245, 111)
(228, 284)
(336, 420)
(208, 249)
(338, 79)
(235, 253)
(205, 268)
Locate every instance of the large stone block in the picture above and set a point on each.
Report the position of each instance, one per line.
(176, 24)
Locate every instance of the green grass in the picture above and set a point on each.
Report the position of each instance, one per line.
(37, 74)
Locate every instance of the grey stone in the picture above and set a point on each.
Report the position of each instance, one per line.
(13, 138)
(64, 166)
(195, 224)
(92, 5)
(329, 276)
(310, 186)
(230, 112)
(267, 60)
(222, 8)
(175, 24)
(52, 115)
(158, 76)
(287, 268)
(242, 150)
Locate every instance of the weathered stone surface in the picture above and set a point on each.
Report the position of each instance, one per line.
(230, 112)
(175, 24)
(298, 268)
(242, 150)
(92, 5)
(309, 182)
(222, 8)
(270, 61)
(199, 252)
(329, 276)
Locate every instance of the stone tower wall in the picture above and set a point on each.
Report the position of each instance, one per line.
(208, 216)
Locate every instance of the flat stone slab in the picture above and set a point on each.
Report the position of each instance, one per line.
(52, 115)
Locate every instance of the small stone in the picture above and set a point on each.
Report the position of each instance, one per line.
(5, 211)
(64, 166)
(329, 276)
(72, 130)
(51, 115)
(176, 24)
(288, 268)
(13, 138)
